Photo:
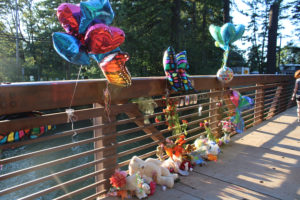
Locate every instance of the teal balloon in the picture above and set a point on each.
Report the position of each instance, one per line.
(215, 33)
(68, 47)
(95, 11)
(239, 31)
(227, 33)
(99, 57)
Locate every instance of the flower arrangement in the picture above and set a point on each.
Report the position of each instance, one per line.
(172, 118)
(207, 128)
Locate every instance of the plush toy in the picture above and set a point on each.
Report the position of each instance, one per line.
(136, 184)
(213, 148)
(160, 152)
(122, 184)
(150, 169)
(173, 165)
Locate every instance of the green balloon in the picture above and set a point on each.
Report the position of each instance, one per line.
(215, 33)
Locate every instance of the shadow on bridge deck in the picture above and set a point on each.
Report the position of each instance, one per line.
(262, 163)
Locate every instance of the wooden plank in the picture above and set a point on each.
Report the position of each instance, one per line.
(207, 187)
(27, 97)
(47, 119)
(259, 105)
(213, 114)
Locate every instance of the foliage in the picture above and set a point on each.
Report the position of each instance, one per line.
(150, 27)
(172, 118)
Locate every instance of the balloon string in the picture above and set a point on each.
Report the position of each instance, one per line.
(75, 86)
(70, 112)
(225, 58)
(107, 101)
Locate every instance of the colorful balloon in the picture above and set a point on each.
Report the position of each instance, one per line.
(95, 10)
(69, 17)
(225, 74)
(242, 103)
(101, 38)
(182, 66)
(114, 69)
(170, 68)
(68, 47)
(235, 97)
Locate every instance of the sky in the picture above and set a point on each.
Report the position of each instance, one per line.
(287, 32)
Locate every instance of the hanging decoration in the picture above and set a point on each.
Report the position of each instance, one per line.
(224, 36)
(24, 134)
(146, 105)
(175, 66)
(241, 103)
(88, 35)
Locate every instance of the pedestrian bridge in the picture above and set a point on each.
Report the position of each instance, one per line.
(107, 127)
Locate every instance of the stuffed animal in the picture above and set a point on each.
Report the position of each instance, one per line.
(122, 184)
(213, 148)
(135, 183)
(173, 165)
(151, 168)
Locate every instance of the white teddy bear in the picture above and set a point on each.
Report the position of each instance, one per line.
(151, 169)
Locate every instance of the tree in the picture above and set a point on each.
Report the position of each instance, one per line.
(226, 11)
(272, 37)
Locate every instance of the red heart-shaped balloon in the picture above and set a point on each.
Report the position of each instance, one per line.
(101, 38)
(69, 17)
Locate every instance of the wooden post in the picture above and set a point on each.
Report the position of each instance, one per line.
(275, 102)
(259, 104)
(214, 114)
(102, 143)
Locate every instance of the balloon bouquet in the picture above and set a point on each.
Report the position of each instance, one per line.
(224, 36)
(88, 35)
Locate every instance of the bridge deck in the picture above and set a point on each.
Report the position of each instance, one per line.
(262, 163)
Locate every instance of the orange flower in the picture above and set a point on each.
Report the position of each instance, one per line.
(178, 151)
(169, 151)
(184, 121)
(157, 120)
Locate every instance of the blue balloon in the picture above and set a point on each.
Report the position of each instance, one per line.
(227, 33)
(99, 57)
(239, 31)
(68, 47)
(238, 121)
(245, 103)
(99, 11)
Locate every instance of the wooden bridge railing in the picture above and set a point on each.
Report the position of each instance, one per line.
(76, 163)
